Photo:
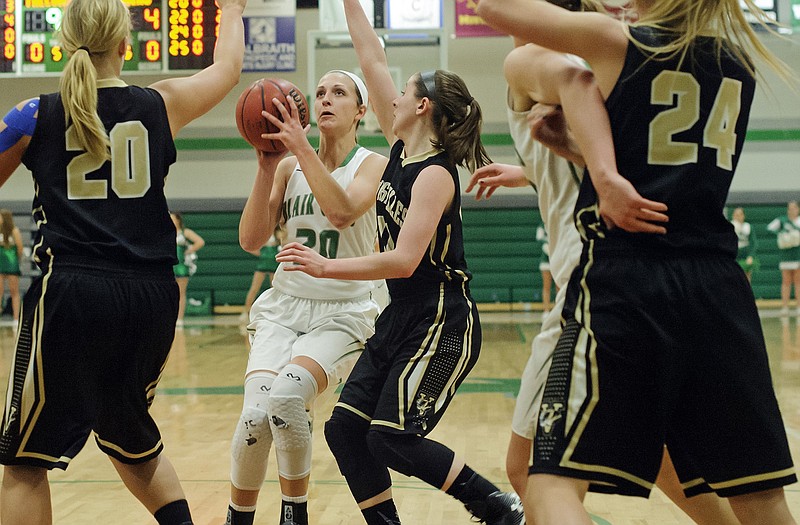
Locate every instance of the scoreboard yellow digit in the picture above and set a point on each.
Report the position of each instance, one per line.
(178, 36)
(9, 26)
(193, 29)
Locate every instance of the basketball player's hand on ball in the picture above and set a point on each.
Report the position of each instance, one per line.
(290, 129)
(268, 162)
(621, 206)
(301, 258)
(490, 177)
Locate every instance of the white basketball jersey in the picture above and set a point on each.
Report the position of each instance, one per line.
(306, 224)
(557, 186)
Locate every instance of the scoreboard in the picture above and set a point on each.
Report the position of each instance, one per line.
(193, 28)
(9, 27)
(166, 35)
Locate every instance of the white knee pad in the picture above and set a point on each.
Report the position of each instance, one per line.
(252, 438)
(292, 393)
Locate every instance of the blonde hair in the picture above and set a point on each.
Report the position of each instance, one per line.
(89, 28)
(724, 20)
(7, 228)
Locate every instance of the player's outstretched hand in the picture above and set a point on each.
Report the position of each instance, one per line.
(490, 177)
(290, 129)
(621, 206)
(301, 258)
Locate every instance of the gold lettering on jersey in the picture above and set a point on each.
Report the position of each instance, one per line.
(396, 209)
(384, 235)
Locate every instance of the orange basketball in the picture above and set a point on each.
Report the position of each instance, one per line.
(257, 98)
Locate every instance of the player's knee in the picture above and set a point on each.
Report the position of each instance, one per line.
(292, 394)
(345, 434)
(254, 417)
(250, 446)
(294, 380)
(289, 422)
(393, 450)
(291, 430)
(252, 432)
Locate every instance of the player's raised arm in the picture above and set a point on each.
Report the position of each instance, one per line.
(372, 60)
(190, 97)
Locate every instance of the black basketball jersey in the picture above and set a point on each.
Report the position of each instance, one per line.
(444, 260)
(678, 131)
(111, 210)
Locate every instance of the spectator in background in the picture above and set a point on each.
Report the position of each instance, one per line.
(10, 255)
(188, 242)
(746, 254)
(787, 228)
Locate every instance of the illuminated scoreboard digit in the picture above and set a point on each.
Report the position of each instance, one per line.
(192, 33)
(42, 53)
(9, 28)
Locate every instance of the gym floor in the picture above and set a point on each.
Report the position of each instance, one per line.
(199, 399)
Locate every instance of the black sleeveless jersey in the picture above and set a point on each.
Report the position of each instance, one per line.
(116, 210)
(678, 131)
(444, 260)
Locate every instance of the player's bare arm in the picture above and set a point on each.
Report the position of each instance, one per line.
(552, 78)
(341, 206)
(431, 196)
(187, 98)
(372, 60)
(262, 211)
(16, 130)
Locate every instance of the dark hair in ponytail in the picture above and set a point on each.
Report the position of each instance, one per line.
(456, 118)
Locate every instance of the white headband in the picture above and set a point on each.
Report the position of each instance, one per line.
(362, 88)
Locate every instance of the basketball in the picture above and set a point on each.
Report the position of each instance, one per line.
(257, 98)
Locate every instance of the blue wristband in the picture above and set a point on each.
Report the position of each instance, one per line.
(19, 123)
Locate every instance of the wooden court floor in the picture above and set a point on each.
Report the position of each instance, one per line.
(199, 399)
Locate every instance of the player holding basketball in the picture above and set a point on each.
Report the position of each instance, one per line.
(636, 366)
(305, 333)
(428, 337)
(97, 325)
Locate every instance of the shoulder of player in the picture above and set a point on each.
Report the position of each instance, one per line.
(372, 165)
(435, 175)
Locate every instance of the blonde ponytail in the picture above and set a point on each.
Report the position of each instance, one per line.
(79, 96)
(89, 28)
